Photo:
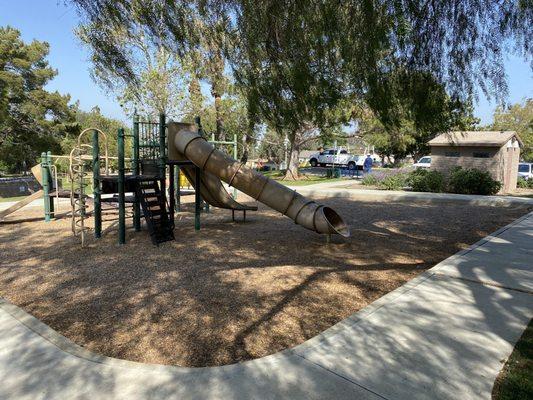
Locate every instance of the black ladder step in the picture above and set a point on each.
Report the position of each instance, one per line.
(151, 203)
(158, 212)
(155, 211)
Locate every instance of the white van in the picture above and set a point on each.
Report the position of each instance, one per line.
(424, 162)
(525, 170)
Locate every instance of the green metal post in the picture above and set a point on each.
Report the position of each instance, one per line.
(50, 183)
(135, 152)
(197, 199)
(235, 157)
(121, 194)
(177, 183)
(137, 171)
(172, 192)
(96, 187)
(46, 186)
(162, 153)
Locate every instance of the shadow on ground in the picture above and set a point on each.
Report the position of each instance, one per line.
(232, 291)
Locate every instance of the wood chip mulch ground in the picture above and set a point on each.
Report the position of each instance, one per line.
(232, 291)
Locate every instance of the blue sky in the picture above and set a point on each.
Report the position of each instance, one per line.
(52, 21)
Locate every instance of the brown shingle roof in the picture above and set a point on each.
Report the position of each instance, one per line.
(474, 138)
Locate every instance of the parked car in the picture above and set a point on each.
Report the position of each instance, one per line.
(339, 157)
(525, 170)
(424, 162)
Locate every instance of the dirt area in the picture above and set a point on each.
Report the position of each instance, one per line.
(523, 193)
(232, 291)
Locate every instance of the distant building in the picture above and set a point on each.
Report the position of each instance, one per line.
(493, 151)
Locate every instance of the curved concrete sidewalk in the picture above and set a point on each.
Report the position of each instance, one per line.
(339, 189)
(440, 336)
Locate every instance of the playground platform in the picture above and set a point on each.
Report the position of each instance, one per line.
(442, 335)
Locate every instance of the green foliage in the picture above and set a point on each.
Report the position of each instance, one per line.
(515, 381)
(206, 61)
(272, 147)
(194, 102)
(146, 77)
(32, 120)
(465, 181)
(232, 109)
(281, 66)
(396, 180)
(351, 41)
(296, 61)
(472, 181)
(524, 183)
(393, 182)
(370, 180)
(423, 180)
(409, 109)
(519, 118)
(95, 119)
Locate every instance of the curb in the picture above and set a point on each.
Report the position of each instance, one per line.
(385, 195)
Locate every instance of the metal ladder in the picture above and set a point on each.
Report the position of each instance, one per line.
(155, 211)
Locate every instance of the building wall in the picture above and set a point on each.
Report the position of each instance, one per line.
(502, 163)
(511, 157)
(443, 163)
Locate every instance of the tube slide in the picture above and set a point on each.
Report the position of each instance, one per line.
(186, 144)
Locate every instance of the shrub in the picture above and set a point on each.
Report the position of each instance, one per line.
(472, 181)
(393, 182)
(387, 180)
(525, 183)
(522, 183)
(370, 180)
(423, 180)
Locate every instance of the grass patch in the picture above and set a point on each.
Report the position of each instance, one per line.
(516, 378)
(313, 180)
(305, 180)
(273, 174)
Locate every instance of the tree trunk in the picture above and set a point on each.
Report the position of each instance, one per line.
(418, 155)
(245, 148)
(220, 135)
(292, 168)
(397, 162)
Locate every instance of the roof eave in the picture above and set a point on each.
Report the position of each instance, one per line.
(483, 144)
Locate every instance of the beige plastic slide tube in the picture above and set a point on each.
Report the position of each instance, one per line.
(303, 211)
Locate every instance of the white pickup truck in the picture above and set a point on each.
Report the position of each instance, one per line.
(338, 157)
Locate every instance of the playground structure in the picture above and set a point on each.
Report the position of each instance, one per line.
(186, 143)
(46, 174)
(181, 150)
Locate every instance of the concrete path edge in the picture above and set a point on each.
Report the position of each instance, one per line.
(321, 190)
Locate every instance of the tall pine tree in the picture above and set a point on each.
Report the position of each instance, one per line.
(32, 120)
